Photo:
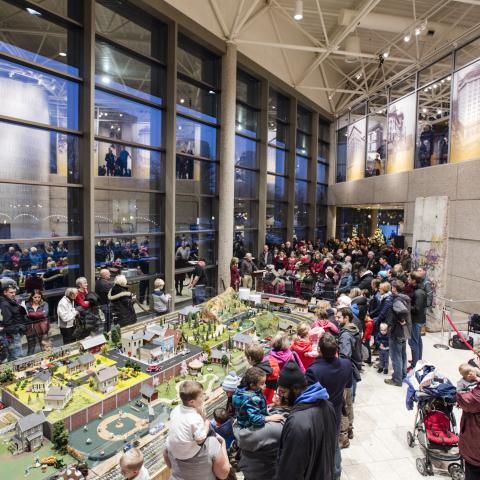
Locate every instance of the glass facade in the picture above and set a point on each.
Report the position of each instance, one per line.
(322, 181)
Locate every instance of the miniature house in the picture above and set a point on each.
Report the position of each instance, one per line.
(152, 343)
(240, 341)
(106, 379)
(301, 305)
(150, 352)
(217, 355)
(81, 364)
(57, 398)
(131, 342)
(29, 433)
(148, 393)
(93, 344)
(195, 367)
(41, 381)
(184, 312)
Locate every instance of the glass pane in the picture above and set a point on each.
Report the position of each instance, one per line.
(277, 215)
(196, 101)
(49, 266)
(321, 215)
(321, 235)
(301, 192)
(434, 72)
(321, 195)
(247, 89)
(322, 173)
(246, 120)
(301, 233)
(343, 121)
(300, 215)
(324, 131)
(467, 54)
(278, 106)
(37, 40)
(137, 255)
(195, 213)
(122, 119)
(378, 104)
(356, 150)
(275, 236)
(358, 111)
(433, 125)
(245, 214)
(376, 144)
(303, 143)
(137, 167)
(195, 176)
(301, 167)
(127, 212)
(66, 8)
(304, 120)
(276, 161)
(245, 152)
(247, 238)
(46, 157)
(277, 132)
(122, 72)
(245, 183)
(198, 245)
(323, 151)
(196, 138)
(197, 62)
(37, 97)
(32, 211)
(341, 172)
(403, 88)
(276, 188)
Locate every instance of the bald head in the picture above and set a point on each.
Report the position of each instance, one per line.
(105, 274)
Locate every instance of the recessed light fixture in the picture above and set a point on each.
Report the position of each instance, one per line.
(62, 54)
(31, 11)
(449, 78)
(298, 14)
(435, 85)
(358, 75)
(439, 111)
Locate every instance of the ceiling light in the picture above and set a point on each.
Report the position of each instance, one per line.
(211, 92)
(385, 54)
(425, 89)
(358, 75)
(182, 100)
(62, 54)
(424, 110)
(406, 38)
(298, 15)
(105, 79)
(449, 78)
(417, 31)
(423, 26)
(121, 114)
(439, 112)
(435, 85)
(31, 11)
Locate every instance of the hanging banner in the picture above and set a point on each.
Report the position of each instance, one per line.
(356, 150)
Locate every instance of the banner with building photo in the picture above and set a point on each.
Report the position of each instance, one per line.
(465, 139)
(376, 145)
(356, 150)
(401, 135)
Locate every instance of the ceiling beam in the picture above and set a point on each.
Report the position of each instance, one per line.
(331, 90)
(218, 16)
(248, 15)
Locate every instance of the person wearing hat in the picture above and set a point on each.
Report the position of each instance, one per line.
(247, 268)
(311, 425)
(229, 385)
(161, 300)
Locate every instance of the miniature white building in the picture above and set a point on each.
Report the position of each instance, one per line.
(154, 342)
(57, 398)
(150, 352)
(41, 381)
(106, 379)
(29, 432)
(93, 344)
(131, 342)
(81, 364)
(240, 340)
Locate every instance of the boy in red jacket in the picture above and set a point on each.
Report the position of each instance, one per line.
(367, 335)
(256, 358)
(303, 346)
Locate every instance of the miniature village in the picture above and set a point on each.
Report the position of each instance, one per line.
(90, 400)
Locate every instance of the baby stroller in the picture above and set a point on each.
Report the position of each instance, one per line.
(435, 425)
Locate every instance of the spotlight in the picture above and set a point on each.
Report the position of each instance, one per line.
(298, 15)
(406, 38)
(182, 100)
(211, 92)
(449, 78)
(435, 85)
(424, 110)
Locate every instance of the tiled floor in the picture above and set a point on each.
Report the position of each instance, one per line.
(379, 449)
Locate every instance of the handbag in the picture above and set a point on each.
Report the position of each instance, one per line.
(456, 342)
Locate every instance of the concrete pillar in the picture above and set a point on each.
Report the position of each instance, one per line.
(331, 221)
(226, 184)
(373, 221)
(262, 147)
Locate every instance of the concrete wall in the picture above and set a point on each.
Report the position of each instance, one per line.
(461, 183)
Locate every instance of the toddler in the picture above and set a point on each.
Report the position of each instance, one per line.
(255, 356)
(222, 424)
(367, 335)
(383, 348)
(229, 385)
(303, 346)
(470, 377)
(188, 426)
(249, 402)
(131, 465)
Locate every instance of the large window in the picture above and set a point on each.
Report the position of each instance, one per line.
(322, 181)
(246, 162)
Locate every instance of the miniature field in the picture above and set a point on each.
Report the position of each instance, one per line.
(13, 466)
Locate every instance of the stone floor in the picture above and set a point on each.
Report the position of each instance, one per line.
(379, 449)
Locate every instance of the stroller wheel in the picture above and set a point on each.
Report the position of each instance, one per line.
(456, 471)
(421, 466)
(410, 439)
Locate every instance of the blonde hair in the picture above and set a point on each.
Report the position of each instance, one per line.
(385, 287)
(383, 326)
(323, 304)
(132, 460)
(302, 330)
(321, 313)
(158, 283)
(465, 368)
(120, 280)
(355, 292)
(280, 342)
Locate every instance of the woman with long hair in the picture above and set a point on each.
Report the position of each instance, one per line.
(37, 324)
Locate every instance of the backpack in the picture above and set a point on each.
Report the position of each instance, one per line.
(456, 342)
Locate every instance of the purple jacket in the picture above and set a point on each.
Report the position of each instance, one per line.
(284, 356)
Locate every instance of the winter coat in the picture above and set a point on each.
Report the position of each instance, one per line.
(374, 304)
(37, 320)
(302, 347)
(362, 303)
(225, 430)
(335, 375)
(102, 287)
(399, 322)
(13, 316)
(350, 347)
(327, 326)
(307, 444)
(160, 301)
(419, 305)
(250, 407)
(367, 332)
(80, 300)
(469, 402)
(284, 356)
(383, 340)
(385, 309)
(270, 366)
(345, 284)
(122, 305)
(234, 277)
(365, 281)
(66, 312)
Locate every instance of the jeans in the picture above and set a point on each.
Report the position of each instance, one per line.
(398, 354)
(415, 342)
(366, 344)
(383, 357)
(338, 462)
(198, 294)
(14, 346)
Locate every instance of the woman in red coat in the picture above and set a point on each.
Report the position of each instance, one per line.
(234, 274)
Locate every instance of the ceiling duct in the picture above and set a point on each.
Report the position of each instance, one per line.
(352, 45)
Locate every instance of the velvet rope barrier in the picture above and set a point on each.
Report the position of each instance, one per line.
(460, 335)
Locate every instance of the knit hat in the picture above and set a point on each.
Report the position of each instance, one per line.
(291, 376)
(231, 382)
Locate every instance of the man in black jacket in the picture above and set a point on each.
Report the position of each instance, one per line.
(418, 309)
(265, 258)
(307, 444)
(102, 287)
(13, 323)
(364, 281)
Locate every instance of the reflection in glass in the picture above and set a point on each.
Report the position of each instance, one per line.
(278, 106)
(276, 161)
(116, 162)
(277, 132)
(246, 237)
(304, 120)
(46, 157)
(321, 194)
(196, 176)
(132, 212)
(120, 71)
(323, 150)
(276, 188)
(197, 62)
(194, 246)
(321, 234)
(467, 54)
(301, 215)
(247, 89)
(322, 173)
(275, 236)
(246, 183)
(301, 191)
(376, 144)
(321, 215)
(245, 152)
(118, 118)
(303, 144)
(324, 131)
(30, 211)
(196, 138)
(277, 215)
(358, 112)
(196, 101)
(245, 214)
(301, 167)
(66, 8)
(246, 120)
(341, 172)
(403, 88)
(432, 73)
(195, 213)
(301, 233)
(35, 96)
(37, 40)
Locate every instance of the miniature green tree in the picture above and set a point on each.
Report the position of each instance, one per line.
(225, 362)
(29, 399)
(90, 382)
(136, 367)
(116, 335)
(98, 361)
(60, 438)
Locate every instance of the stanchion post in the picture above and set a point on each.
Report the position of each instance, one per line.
(441, 345)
